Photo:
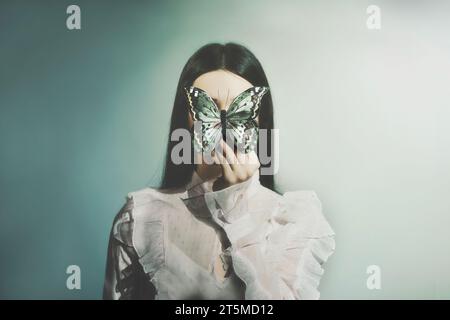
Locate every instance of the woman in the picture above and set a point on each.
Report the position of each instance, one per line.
(218, 229)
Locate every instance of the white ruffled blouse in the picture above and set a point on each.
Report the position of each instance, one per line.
(165, 245)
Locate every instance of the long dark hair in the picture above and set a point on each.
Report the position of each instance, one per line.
(231, 57)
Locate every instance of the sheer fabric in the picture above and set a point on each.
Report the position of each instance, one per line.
(242, 242)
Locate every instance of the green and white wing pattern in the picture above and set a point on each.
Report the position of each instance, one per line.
(241, 118)
(204, 109)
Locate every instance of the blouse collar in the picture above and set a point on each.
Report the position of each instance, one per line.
(198, 186)
(201, 200)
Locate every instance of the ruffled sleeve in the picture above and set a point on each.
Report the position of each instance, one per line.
(278, 243)
(124, 276)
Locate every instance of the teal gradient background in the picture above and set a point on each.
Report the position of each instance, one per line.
(363, 118)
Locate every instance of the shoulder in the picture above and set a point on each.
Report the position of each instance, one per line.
(143, 205)
(151, 203)
(148, 195)
(122, 227)
(303, 210)
(301, 204)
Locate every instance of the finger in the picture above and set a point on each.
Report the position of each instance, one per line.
(243, 158)
(208, 158)
(239, 169)
(227, 172)
(253, 159)
(229, 153)
(216, 159)
(245, 165)
(249, 161)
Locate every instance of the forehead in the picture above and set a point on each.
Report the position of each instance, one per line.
(220, 84)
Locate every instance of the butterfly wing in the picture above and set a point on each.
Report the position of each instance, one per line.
(241, 117)
(204, 109)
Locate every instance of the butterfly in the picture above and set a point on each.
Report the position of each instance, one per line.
(237, 123)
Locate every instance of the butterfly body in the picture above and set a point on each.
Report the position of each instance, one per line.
(223, 122)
